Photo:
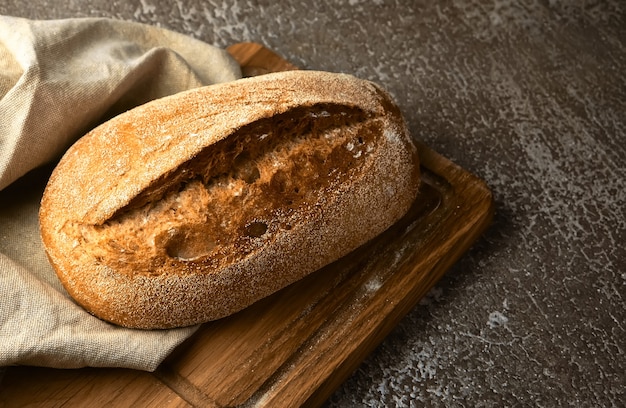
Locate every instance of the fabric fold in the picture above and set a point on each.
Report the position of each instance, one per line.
(74, 74)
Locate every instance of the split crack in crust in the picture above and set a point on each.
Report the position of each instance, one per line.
(212, 206)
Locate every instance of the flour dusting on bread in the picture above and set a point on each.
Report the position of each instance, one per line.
(194, 206)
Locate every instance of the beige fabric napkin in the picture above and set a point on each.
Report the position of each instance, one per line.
(58, 79)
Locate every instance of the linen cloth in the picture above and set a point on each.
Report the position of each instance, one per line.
(59, 79)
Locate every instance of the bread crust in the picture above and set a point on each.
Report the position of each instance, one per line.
(194, 206)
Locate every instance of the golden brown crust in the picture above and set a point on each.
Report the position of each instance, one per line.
(194, 206)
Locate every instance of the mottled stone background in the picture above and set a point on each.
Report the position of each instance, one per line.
(531, 96)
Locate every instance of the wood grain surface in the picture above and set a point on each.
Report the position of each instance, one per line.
(297, 346)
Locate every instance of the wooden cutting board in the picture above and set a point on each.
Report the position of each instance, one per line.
(297, 346)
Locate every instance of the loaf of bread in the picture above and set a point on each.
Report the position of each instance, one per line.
(192, 207)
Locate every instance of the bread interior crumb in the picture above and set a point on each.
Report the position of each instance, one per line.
(237, 192)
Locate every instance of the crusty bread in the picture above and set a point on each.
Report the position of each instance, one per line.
(192, 207)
